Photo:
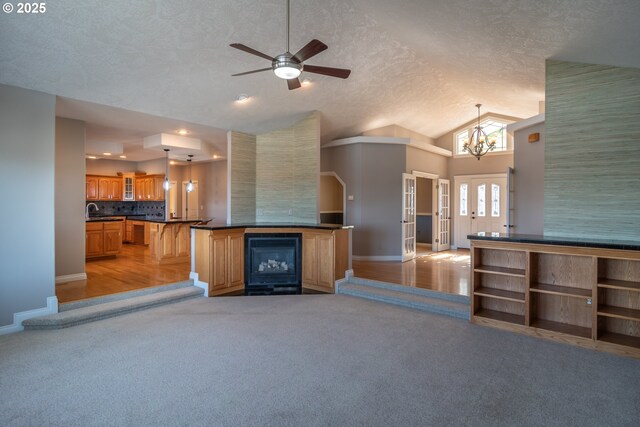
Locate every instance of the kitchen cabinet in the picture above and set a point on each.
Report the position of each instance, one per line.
(103, 188)
(92, 188)
(149, 188)
(103, 238)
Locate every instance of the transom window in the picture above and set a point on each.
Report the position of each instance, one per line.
(492, 127)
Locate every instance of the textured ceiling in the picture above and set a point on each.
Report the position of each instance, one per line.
(421, 64)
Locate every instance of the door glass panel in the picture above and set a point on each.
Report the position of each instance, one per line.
(481, 200)
(495, 200)
(463, 199)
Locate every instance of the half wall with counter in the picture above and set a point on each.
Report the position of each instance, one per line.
(306, 256)
(578, 291)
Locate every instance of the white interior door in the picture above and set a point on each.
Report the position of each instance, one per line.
(190, 201)
(443, 216)
(489, 205)
(408, 217)
(173, 199)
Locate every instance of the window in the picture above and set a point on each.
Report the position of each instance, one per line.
(463, 199)
(495, 200)
(492, 127)
(481, 199)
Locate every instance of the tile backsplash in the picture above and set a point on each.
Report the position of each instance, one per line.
(152, 209)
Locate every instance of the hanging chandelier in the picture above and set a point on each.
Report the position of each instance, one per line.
(190, 186)
(166, 184)
(479, 144)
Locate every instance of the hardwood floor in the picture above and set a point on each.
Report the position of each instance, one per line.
(132, 269)
(446, 271)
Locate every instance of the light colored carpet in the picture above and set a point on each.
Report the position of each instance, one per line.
(306, 361)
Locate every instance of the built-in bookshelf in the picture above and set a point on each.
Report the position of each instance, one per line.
(584, 296)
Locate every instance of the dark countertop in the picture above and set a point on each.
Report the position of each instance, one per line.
(171, 221)
(560, 241)
(223, 226)
(104, 219)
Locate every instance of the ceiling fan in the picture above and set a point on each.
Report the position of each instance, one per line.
(288, 66)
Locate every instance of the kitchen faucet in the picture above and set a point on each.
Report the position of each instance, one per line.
(86, 212)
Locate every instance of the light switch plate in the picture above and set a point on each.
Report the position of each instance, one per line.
(350, 197)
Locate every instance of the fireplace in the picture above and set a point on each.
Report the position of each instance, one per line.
(273, 263)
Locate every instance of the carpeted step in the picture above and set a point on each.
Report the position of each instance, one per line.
(437, 305)
(122, 295)
(463, 299)
(105, 310)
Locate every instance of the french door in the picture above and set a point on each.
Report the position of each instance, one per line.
(408, 217)
(443, 216)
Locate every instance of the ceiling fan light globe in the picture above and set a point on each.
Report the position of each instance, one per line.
(287, 72)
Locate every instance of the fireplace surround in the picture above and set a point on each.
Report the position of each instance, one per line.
(273, 263)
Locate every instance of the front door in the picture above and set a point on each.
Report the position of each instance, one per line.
(481, 205)
(408, 217)
(488, 205)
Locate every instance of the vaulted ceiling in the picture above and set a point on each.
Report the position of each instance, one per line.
(421, 64)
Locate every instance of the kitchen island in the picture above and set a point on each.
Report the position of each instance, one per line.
(584, 292)
(170, 240)
(220, 261)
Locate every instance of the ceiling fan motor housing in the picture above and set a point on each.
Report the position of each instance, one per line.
(286, 66)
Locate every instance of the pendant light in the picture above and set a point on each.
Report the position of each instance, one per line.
(190, 183)
(166, 184)
(479, 144)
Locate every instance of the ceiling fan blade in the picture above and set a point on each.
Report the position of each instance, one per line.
(312, 48)
(328, 71)
(293, 83)
(250, 72)
(251, 51)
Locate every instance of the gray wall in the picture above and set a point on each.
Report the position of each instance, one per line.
(592, 151)
(528, 181)
(425, 161)
(212, 189)
(373, 175)
(69, 197)
(110, 167)
(27, 159)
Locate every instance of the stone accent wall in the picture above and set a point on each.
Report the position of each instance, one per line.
(592, 151)
(288, 173)
(241, 172)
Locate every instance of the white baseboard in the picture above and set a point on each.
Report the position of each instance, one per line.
(204, 285)
(71, 278)
(16, 326)
(377, 258)
(348, 274)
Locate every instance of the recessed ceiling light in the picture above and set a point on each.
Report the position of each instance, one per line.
(306, 82)
(215, 156)
(123, 157)
(106, 154)
(242, 98)
(183, 132)
(91, 157)
(172, 162)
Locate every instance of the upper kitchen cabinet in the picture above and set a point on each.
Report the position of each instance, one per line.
(92, 187)
(103, 188)
(149, 188)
